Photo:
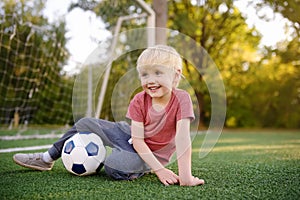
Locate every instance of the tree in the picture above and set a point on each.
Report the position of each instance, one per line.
(279, 70)
(32, 56)
(288, 9)
(222, 31)
(161, 19)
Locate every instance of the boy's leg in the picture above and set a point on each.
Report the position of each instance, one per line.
(93, 125)
(123, 163)
(56, 149)
(37, 161)
(33, 161)
(108, 131)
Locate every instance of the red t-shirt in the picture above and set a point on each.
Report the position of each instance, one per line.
(160, 126)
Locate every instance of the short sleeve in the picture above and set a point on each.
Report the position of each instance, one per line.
(185, 109)
(135, 108)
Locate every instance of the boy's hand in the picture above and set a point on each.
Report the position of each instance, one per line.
(192, 182)
(167, 177)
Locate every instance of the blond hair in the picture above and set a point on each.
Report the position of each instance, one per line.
(160, 55)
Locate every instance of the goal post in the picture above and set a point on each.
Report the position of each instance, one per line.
(150, 15)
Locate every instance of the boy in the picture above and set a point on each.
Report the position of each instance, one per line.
(160, 125)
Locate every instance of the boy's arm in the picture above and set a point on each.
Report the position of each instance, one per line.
(184, 154)
(166, 176)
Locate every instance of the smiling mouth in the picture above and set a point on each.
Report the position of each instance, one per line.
(153, 88)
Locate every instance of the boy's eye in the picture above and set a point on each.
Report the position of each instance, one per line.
(144, 75)
(158, 73)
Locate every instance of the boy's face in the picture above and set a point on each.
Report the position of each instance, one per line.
(156, 80)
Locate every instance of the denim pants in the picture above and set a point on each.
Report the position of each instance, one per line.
(123, 163)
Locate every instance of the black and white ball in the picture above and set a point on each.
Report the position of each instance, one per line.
(83, 154)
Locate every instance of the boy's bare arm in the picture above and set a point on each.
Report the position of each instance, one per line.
(166, 176)
(184, 154)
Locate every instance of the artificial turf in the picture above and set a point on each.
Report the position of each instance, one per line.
(243, 165)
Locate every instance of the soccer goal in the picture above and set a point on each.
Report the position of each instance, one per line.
(33, 87)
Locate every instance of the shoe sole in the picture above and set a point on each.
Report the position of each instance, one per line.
(30, 166)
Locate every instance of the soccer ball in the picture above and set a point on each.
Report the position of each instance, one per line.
(83, 154)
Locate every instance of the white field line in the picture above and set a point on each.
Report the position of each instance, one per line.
(24, 137)
(25, 148)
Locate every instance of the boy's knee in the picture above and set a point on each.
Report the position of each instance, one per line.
(119, 175)
(87, 124)
(113, 173)
(83, 121)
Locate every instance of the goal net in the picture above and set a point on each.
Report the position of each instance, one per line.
(33, 86)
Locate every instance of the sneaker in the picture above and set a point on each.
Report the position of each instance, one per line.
(33, 161)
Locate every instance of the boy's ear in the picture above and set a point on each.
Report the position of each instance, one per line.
(178, 73)
(177, 76)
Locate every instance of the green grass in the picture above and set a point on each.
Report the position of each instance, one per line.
(31, 130)
(243, 165)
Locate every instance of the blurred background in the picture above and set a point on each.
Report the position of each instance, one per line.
(254, 44)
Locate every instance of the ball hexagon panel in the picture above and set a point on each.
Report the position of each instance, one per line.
(92, 149)
(79, 155)
(69, 147)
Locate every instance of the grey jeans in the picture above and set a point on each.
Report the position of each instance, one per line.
(123, 163)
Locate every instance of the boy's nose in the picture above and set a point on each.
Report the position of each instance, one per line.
(151, 79)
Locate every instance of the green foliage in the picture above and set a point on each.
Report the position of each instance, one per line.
(110, 11)
(288, 8)
(33, 53)
(123, 64)
(222, 31)
(267, 94)
(254, 97)
(262, 85)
